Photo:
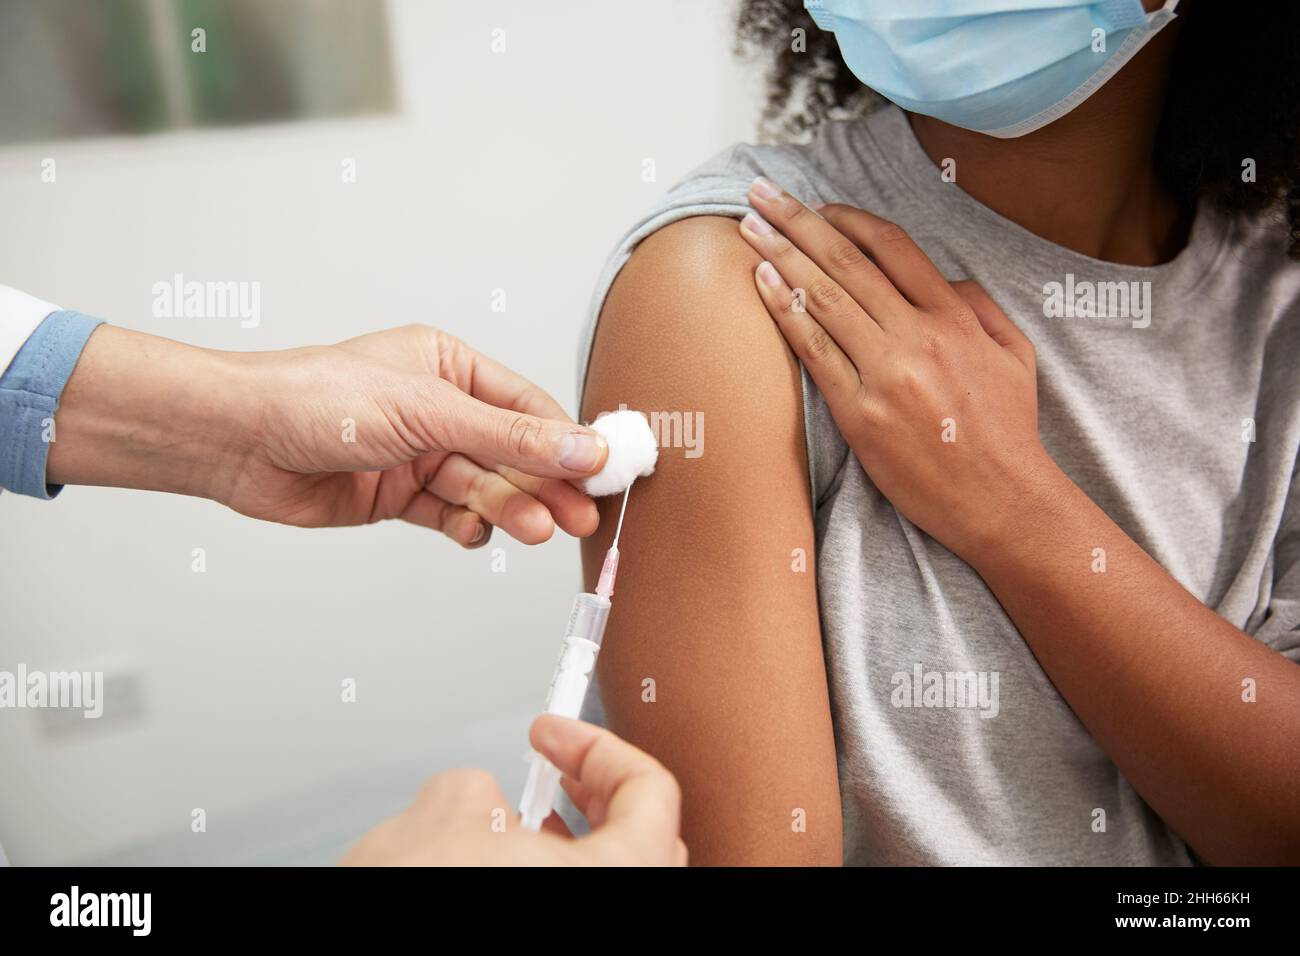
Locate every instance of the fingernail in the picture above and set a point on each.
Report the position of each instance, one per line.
(581, 451)
(768, 274)
(817, 206)
(756, 224)
(765, 188)
(478, 533)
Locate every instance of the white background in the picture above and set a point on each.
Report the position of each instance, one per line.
(517, 171)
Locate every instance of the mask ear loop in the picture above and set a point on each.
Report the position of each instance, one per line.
(1133, 43)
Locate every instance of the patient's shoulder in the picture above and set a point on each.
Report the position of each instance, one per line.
(683, 322)
(704, 256)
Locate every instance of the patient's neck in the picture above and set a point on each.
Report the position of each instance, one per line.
(1087, 181)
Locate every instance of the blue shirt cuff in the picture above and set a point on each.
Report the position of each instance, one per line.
(30, 390)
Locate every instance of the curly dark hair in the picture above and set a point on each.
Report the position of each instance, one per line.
(1234, 93)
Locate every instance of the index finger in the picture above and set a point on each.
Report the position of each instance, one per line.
(831, 250)
(896, 253)
(494, 383)
(640, 799)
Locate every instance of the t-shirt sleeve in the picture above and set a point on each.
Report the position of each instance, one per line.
(1280, 629)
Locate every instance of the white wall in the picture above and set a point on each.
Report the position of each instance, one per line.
(514, 171)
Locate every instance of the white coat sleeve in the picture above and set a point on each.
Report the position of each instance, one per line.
(20, 313)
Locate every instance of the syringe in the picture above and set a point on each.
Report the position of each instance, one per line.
(582, 637)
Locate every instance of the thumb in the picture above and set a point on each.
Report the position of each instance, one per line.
(541, 447)
(639, 799)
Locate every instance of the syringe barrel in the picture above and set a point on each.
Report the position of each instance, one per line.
(582, 637)
(588, 617)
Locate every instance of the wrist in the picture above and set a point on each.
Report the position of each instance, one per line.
(1031, 503)
(145, 412)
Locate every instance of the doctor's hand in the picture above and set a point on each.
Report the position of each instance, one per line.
(408, 423)
(461, 818)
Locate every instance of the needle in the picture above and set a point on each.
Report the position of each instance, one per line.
(622, 511)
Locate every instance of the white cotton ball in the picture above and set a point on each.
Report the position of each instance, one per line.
(632, 452)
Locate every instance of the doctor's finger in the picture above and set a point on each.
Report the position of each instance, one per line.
(641, 799)
(546, 448)
(489, 495)
(460, 524)
(490, 381)
(572, 510)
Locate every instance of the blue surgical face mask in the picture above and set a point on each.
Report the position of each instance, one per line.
(1002, 67)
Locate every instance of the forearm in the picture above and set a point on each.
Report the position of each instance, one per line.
(145, 412)
(407, 423)
(1156, 676)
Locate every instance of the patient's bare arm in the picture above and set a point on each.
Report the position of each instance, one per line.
(713, 660)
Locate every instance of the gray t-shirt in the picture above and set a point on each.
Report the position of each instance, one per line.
(1177, 411)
